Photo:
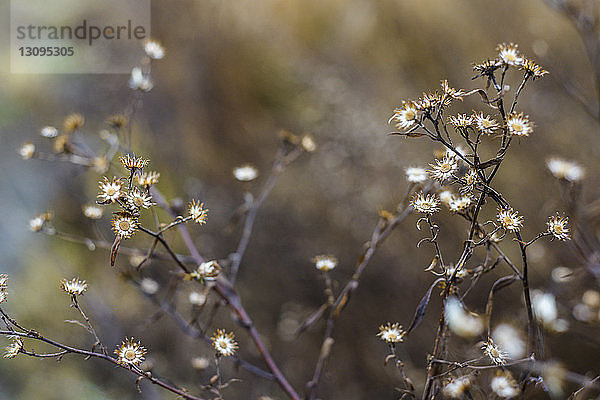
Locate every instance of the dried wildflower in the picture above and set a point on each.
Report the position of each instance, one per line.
(224, 343)
(458, 204)
(504, 385)
(487, 67)
(154, 49)
(509, 54)
(461, 120)
(73, 122)
(509, 219)
(147, 178)
(245, 173)
(391, 333)
(456, 388)
(149, 286)
(427, 204)
(563, 169)
(405, 116)
(49, 132)
(100, 164)
(308, 143)
(61, 144)
(139, 80)
(3, 281)
(451, 93)
(130, 352)
(429, 101)
(92, 211)
(133, 162)
(27, 150)
(14, 348)
(519, 124)
(460, 321)
(444, 168)
(415, 174)
(470, 179)
(73, 287)
(557, 226)
(197, 299)
(198, 213)
(36, 224)
(532, 69)
(110, 191)
(118, 121)
(208, 271)
(497, 355)
(124, 225)
(325, 262)
(485, 124)
(139, 199)
(3, 296)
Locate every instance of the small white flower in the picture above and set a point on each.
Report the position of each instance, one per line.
(509, 54)
(245, 173)
(446, 196)
(391, 333)
(519, 125)
(405, 116)
(154, 50)
(208, 271)
(494, 352)
(415, 174)
(509, 219)
(130, 352)
(325, 262)
(49, 132)
(459, 203)
(74, 286)
(224, 343)
(557, 226)
(444, 168)
(427, 204)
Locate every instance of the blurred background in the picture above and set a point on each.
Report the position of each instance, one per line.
(235, 73)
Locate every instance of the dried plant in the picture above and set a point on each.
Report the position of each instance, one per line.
(490, 361)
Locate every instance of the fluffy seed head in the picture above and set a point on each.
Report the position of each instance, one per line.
(456, 388)
(563, 169)
(415, 174)
(27, 150)
(92, 211)
(154, 49)
(504, 385)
